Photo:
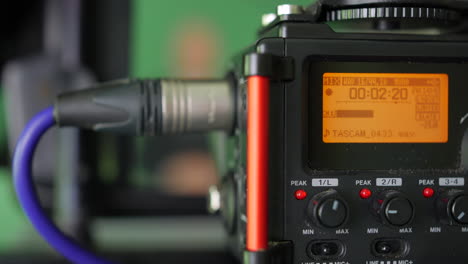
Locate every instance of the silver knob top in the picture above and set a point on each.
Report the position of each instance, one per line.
(214, 199)
(289, 10)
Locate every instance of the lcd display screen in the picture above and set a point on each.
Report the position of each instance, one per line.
(385, 107)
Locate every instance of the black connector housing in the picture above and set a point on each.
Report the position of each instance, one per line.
(127, 106)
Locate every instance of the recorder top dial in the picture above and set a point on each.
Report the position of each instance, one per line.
(396, 10)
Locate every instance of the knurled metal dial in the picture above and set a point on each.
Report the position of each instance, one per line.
(429, 13)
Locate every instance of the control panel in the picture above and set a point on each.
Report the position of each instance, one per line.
(384, 219)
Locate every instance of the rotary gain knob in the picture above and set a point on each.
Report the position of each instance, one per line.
(452, 207)
(393, 208)
(327, 209)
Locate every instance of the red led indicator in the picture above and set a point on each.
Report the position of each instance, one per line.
(428, 192)
(300, 194)
(365, 193)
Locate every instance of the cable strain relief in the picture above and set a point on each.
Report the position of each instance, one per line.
(128, 107)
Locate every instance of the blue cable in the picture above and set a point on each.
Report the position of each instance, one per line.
(22, 167)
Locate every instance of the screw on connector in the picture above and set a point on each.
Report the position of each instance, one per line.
(196, 106)
(150, 107)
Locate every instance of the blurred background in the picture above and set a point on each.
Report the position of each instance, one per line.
(136, 200)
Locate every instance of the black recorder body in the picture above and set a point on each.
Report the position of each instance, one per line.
(368, 116)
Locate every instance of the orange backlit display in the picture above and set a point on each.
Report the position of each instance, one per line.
(385, 108)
